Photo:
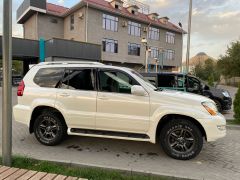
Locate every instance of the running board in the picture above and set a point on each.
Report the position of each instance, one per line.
(109, 133)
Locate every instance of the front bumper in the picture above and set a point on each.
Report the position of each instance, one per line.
(215, 127)
(227, 104)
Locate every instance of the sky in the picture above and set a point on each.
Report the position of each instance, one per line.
(215, 23)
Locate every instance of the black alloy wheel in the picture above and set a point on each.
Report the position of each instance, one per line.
(49, 128)
(181, 139)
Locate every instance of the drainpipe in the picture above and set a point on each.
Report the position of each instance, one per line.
(37, 37)
(86, 24)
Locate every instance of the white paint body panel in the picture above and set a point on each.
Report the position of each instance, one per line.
(115, 112)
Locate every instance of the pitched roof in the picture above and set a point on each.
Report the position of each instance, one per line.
(56, 9)
(106, 6)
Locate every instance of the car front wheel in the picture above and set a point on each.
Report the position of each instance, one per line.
(49, 128)
(181, 139)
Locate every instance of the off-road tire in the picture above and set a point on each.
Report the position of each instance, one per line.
(167, 139)
(55, 119)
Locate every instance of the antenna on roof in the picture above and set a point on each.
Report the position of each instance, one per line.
(144, 8)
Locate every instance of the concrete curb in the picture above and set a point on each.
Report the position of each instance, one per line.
(233, 127)
(126, 170)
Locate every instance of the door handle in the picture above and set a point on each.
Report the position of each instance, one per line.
(64, 95)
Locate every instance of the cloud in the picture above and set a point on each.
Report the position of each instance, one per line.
(230, 14)
(61, 2)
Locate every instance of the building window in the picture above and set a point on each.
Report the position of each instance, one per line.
(134, 49)
(170, 54)
(110, 22)
(134, 29)
(154, 33)
(154, 52)
(170, 37)
(110, 45)
(72, 22)
(53, 20)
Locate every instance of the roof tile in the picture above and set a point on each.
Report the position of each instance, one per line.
(56, 9)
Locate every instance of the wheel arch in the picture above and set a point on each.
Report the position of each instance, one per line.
(38, 110)
(170, 117)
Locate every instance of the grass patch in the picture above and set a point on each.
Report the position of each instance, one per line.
(88, 173)
(233, 122)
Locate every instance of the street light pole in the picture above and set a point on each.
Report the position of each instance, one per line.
(189, 35)
(146, 60)
(7, 84)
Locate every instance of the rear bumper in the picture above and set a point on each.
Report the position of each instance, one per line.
(215, 127)
(22, 114)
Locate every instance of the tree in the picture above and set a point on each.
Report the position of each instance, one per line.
(237, 105)
(229, 64)
(207, 71)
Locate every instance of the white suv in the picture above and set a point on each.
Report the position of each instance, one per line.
(92, 99)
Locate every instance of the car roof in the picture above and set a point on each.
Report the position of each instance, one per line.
(163, 73)
(75, 64)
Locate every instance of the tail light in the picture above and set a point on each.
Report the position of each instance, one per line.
(20, 89)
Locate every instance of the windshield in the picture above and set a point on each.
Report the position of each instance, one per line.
(149, 84)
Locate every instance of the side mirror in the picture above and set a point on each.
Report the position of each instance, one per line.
(138, 90)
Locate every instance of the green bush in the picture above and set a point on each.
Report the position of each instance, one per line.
(211, 80)
(237, 105)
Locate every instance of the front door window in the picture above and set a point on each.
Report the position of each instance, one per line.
(117, 82)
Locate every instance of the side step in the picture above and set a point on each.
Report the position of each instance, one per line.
(110, 133)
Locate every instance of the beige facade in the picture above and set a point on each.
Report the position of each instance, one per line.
(88, 27)
(43, 26)
(96, 33)
(79, 31)
(30, 28)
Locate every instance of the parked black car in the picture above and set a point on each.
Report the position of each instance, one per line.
(189, 83)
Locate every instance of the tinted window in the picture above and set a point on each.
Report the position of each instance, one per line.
(79, 79)
(113, 81)
(193, 85)
(167, 81)
(49, 77)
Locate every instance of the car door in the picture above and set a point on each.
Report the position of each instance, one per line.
(77, 97)
(117, 108)
(194, 85)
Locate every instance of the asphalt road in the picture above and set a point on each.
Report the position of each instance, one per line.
(218, 160)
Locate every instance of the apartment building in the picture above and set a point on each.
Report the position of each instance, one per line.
(120, 30)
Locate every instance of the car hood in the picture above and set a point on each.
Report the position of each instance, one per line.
(181, 97)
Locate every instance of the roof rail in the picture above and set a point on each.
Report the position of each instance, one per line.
(70, 62)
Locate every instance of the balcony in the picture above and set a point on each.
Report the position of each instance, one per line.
(28, 8)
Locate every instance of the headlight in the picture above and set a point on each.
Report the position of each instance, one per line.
(211, 108)
(226, 94)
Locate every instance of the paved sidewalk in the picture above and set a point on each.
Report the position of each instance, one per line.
(218, 160)
(7, 173)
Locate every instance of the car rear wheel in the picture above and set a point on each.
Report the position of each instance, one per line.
(181, 139)
(50, 128)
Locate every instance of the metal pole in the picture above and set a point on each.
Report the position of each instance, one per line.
(181, 68)
(146, 60)
(7, 84)
(189, 35)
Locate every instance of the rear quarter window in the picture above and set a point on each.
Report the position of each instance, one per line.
(49, 77)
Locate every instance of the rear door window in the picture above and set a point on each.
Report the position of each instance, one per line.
(49, 77)
(79, 79)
